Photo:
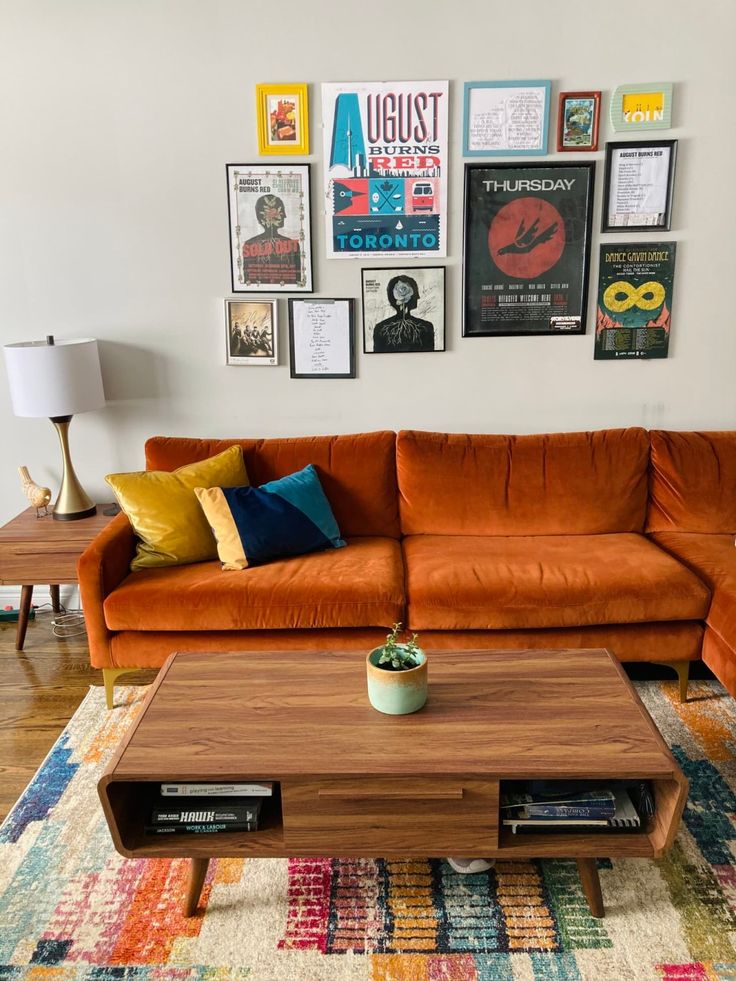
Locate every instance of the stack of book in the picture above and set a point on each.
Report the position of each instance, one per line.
(207, 808)
(608, 807)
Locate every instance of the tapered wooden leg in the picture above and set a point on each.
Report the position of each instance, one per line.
(55, 599)
(683, 674)
(26, 595)
(197, 873)
(591, 885)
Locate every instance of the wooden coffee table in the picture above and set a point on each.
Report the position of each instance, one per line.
(350, 782)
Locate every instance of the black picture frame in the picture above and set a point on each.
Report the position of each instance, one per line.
(640, 147)
(543, 212)
(426, 280)
(297, 214)
(314, 302)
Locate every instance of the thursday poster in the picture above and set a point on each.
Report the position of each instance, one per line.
(634, 313)
(385, 153)
(527, 246)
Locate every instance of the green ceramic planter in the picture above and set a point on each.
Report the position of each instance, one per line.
(396, 692)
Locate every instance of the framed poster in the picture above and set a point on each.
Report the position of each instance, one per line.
(322, 338)
(527, 248)
(404, 310)
(636, 107)
(634, 312)
(506, 118)
(251, 332)
(385, 150)
(282, 112)
(638, 183)
(577, 121)
(270, 233)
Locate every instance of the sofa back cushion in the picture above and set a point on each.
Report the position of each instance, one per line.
(357, 472)
(693, 482)
(555, 484)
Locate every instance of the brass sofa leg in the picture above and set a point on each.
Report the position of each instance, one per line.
(110, 676)
(683, 673)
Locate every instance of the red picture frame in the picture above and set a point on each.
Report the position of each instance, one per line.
(578, 124)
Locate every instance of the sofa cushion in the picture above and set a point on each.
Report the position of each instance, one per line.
(253, 525)
(358, 472)
(465, 583)
(557, 484)
(713, 559)
(693, 482)
(358, 586)
(164, 511)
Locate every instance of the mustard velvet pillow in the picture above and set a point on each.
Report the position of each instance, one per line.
(165, 513)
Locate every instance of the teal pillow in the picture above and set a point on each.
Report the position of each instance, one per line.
(253, 525)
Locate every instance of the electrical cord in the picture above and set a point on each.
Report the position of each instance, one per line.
(65, 623)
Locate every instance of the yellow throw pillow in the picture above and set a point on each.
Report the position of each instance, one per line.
(165, 514)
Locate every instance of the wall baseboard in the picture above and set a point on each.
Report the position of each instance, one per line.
(69, 595)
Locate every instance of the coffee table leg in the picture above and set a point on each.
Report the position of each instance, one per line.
(197, 872)
(591, 885)
(55, 599)
(26, 595)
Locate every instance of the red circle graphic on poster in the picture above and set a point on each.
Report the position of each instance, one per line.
(526, 238)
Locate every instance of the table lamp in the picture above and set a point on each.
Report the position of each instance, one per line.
(58, 379)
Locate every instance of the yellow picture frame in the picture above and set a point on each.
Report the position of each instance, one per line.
(283, 119)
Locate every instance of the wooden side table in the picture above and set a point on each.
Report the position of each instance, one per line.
(41, 550)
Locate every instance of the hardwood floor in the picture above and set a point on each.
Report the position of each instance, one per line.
(40, 689)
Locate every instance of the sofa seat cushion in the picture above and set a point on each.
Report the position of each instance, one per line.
(466, 583)
(358, 586)
(713, 559)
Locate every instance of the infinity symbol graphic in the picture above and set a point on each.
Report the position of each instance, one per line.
(648, 296)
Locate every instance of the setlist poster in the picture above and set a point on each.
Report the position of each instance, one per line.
(385, 151)
(527, 247)
(634, 312)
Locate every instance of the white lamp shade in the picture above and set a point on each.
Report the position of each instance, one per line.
(58, 379)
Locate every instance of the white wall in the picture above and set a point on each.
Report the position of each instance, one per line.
(117, 122)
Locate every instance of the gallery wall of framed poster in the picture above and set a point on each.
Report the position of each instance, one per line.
(385, 167)
(270, 228)
(322, 338)
(634, 311)
(638, 185)
(527, 248)
(403, 309)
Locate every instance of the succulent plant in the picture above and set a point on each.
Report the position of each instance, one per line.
(396, 656)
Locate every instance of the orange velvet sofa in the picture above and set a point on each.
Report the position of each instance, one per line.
(602, 539)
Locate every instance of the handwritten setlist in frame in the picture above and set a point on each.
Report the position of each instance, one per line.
(638, 184)
(322, 338)
(506, 118)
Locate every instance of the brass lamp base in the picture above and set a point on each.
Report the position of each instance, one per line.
(72, 502)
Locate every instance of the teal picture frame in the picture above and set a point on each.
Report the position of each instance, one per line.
(470, 150)
(649, 117)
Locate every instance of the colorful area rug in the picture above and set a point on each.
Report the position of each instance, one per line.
(72, 908)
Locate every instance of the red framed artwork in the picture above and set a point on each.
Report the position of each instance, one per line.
(577, 121)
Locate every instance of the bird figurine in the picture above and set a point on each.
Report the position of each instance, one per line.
(38, 496)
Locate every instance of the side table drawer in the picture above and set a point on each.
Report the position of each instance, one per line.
(391, 815)
(29, 563)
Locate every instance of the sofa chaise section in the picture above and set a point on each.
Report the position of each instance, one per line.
(692, 514)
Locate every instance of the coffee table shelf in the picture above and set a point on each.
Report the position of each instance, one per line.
(350, 782)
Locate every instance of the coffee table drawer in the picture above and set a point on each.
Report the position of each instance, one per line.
(391, 815)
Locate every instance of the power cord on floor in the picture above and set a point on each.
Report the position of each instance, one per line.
(65, 623)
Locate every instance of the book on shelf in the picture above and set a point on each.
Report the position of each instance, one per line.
(200, 810)
(204, 827)
(217, 789)
(625, 816)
